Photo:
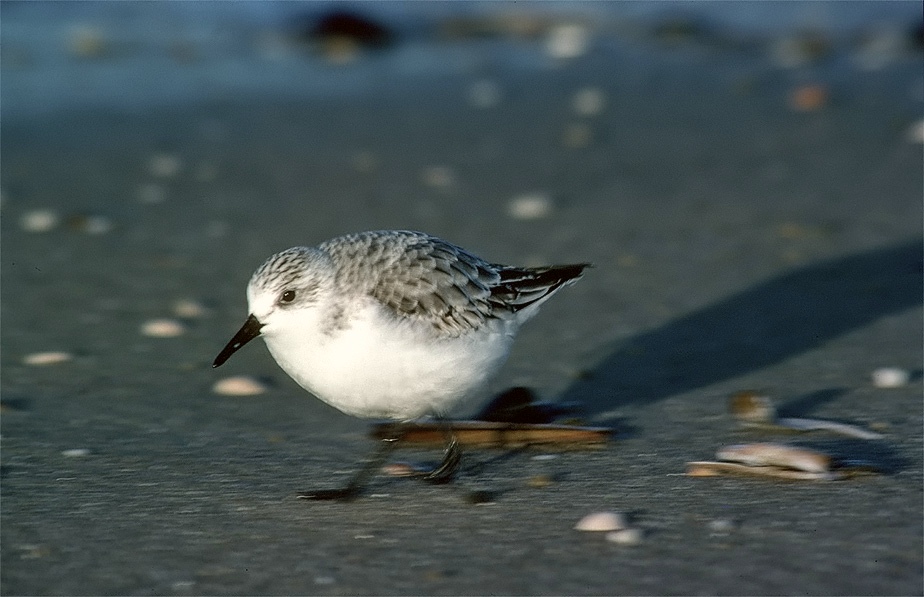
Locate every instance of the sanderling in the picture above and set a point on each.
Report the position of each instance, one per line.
(391, 324)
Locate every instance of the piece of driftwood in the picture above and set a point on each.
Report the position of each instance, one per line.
(485, 434)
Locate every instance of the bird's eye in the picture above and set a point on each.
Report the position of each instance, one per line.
(287, 297)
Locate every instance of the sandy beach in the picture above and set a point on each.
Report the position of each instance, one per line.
(753, 225)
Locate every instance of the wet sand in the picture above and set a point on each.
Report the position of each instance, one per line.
(738, 244)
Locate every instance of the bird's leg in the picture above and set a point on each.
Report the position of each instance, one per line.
(451, 457)
(358, 482)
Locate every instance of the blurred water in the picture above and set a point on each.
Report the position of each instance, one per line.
(132, 55)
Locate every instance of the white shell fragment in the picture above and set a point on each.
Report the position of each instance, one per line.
(163, 328)
(630, 536)
(890, 377)
(47, 358)
(39, 220)
(567, 41)
(239, 385)
(602, 522)
(532, 206)
(781, 455)
(189, 309)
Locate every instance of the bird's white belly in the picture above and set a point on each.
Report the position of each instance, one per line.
(390, 370)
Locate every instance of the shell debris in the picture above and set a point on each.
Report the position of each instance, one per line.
(780, 455)
(239, 385)
(531, 206)
(630, 536)
(163, 328)
(602, 522)
(52, 357)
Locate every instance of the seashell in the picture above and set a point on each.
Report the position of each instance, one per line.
(890, 377)
(770, 454)
(162, 328)
(602, 521)
(567, 41)
(629, 536)
(709, 468)
(239, 385)
(47, 358)
(532, 206)
(189, 309)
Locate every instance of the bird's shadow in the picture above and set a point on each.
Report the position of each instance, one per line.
(769, 323)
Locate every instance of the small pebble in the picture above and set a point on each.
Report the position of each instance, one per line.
(165, 165)
(87, 41)
(75, 453)
(602, 521)
(533, 206)
(39, 220)
(630, 536)
(189, 309)
(722, 525)
(47, 358)
(752, 407)
(809, 98)
(90, 224)
(890, 377)
(577, 135)
(479, 496)
(588, 101)
(540, 481)
(484, 94)
(163, 328)
(239, 385)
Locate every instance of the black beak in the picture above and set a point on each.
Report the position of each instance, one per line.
(249, 331)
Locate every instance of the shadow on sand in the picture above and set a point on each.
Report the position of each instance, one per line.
(774, 321)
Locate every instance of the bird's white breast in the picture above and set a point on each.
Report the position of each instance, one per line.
(377, 365)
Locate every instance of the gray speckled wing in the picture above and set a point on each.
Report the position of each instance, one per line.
(422, 277)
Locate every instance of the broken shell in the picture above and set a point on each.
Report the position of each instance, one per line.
(630, 536)
(189, 309)
(890, 377)
(769, 454)
(751, 407)
(533, 206)
(602, 521)
(822, 425)
(47, 358)
(162, 328)
(709, 468)
(239, 385)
